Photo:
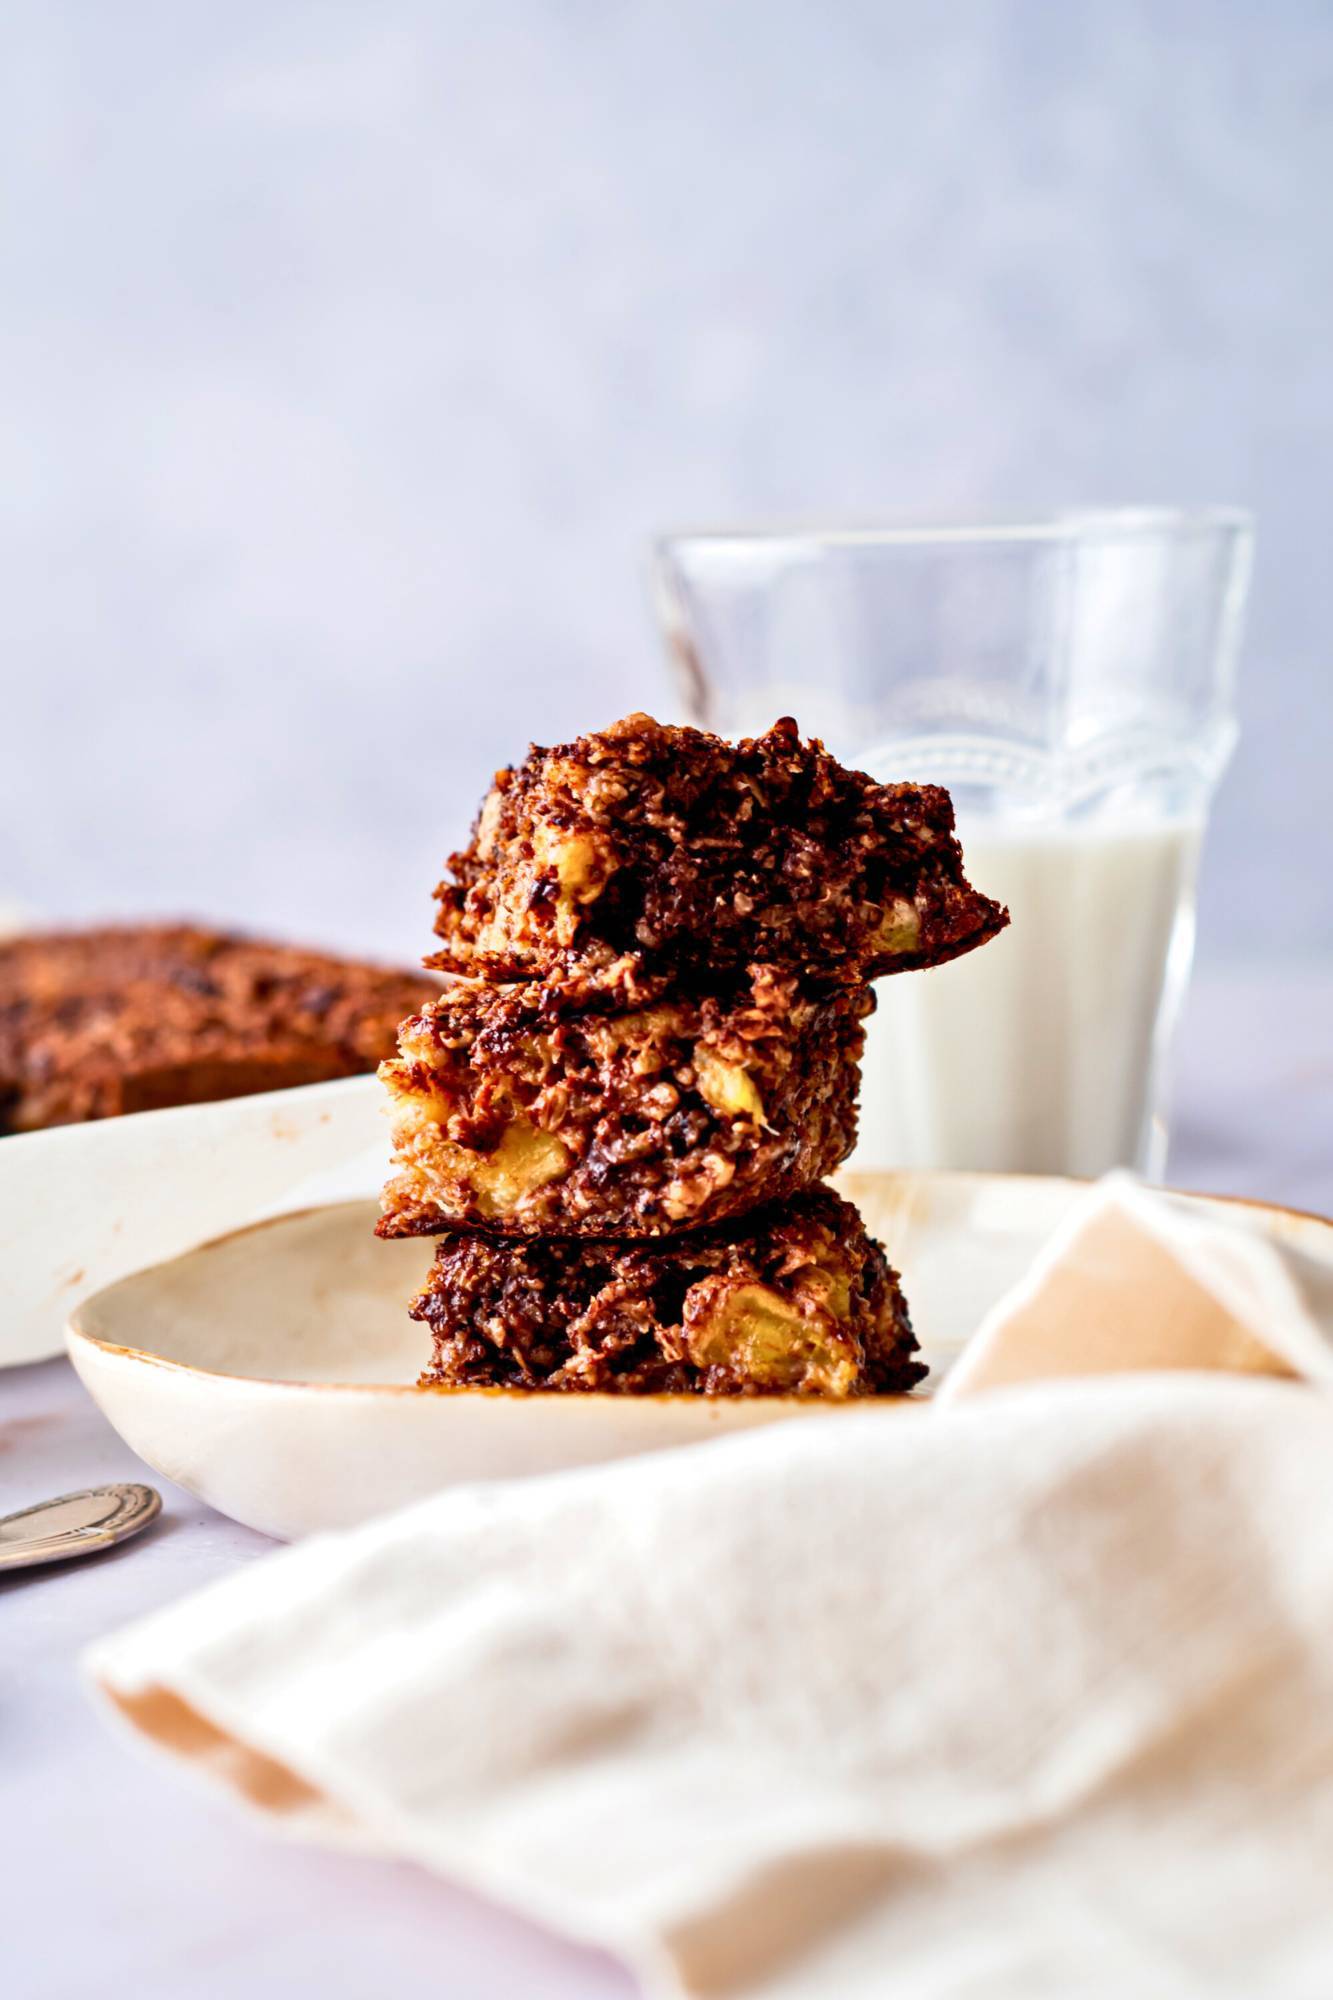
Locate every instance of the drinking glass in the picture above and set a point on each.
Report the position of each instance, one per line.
(1070, 680)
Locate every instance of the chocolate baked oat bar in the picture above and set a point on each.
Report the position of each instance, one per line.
(137, 1017)
(794, 1300)
(674, 849)
(515, 1121)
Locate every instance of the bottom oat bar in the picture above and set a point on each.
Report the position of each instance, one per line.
(795, 1299)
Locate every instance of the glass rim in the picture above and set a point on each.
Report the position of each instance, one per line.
(1062, 525)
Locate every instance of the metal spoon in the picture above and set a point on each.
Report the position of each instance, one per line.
(76, 1524)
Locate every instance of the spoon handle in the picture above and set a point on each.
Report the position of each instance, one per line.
(76, 1524)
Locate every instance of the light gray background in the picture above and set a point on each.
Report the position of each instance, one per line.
(351, 353)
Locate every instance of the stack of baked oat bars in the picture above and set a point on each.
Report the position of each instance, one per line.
(618, 1114)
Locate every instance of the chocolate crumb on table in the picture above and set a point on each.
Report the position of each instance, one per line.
(672, 850)
(795, 1299)
(510, 1119)
(99, 1022)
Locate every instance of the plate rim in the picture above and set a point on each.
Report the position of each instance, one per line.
(504, 1394)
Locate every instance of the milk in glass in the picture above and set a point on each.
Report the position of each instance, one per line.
(1040, 1052)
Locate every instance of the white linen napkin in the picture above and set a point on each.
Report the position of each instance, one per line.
(1139, 1279)
(1029, 1694)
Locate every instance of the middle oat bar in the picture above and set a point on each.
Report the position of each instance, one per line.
(677, 1115)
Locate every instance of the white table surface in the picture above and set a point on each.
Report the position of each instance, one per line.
(116, 1877)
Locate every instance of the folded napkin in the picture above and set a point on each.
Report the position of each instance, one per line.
(1031, 1693)
(1138, 1279)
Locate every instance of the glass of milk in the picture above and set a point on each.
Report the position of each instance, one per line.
(1071, 681)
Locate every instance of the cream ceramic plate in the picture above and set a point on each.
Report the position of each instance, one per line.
(272, 1372)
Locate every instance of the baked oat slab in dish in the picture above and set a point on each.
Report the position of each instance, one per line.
(794, 1300)
(515, 1120)
(678, 850)
(124, 1018)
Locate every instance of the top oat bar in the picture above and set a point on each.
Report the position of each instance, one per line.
(647, 848)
